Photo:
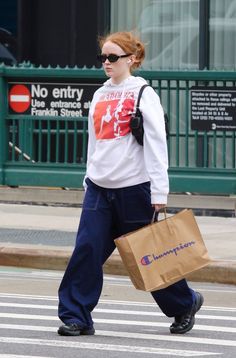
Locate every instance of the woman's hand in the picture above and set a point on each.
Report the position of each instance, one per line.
(158, 207)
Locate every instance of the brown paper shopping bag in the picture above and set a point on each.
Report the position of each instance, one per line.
(164, 252)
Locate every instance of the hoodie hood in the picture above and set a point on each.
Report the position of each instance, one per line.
(127, 81)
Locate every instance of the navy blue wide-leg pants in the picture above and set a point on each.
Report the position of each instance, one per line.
(106, 215)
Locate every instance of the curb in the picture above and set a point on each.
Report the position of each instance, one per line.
(203, 205)
(34, 258)
(218, 271)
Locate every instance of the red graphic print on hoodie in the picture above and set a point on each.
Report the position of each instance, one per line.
(112, 115)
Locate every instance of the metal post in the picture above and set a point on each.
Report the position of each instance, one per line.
(204, 13)
(3, 139)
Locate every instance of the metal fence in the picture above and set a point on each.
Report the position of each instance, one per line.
(50, 150)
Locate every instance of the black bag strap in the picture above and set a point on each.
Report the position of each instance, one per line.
(136, 121)
(165, 114)
(139, 95)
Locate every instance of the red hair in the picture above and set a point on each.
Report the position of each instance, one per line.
(129, 44)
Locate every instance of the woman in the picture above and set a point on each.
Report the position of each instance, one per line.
(125, 182)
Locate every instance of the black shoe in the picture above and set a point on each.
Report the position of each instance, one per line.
(74, 329)
(185, 323)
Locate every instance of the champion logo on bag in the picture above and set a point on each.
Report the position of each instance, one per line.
(148, 259)
(145, 260)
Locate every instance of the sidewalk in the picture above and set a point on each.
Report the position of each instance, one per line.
(219, 234)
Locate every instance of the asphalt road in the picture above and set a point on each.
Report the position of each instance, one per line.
(127, 322)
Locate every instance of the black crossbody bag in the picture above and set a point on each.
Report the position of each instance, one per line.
(136, 121)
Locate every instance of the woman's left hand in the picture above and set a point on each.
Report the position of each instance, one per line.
(158, 207)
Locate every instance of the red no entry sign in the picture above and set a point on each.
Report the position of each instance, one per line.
(19, 98)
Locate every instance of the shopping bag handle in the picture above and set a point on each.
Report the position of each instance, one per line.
(155, 215)
(168, 222)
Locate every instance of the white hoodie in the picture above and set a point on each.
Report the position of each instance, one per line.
(115, 159)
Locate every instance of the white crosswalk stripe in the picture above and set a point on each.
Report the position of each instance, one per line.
(32, 321)
(118, 322)
(120, 311)
(19, 356)
(220, 342)
(104, 347)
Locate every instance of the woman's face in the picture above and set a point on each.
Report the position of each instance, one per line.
(119, 70)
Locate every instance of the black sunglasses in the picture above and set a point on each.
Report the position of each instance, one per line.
(111, 58)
